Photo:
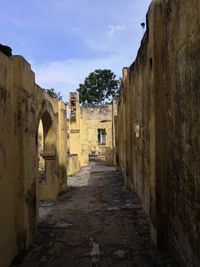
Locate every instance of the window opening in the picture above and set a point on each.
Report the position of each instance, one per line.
(101, 136)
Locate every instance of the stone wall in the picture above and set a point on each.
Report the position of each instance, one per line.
(76, 157)
(73, 164)
(158, 138)
(22, 105)
(92, 119)
(84, 122)
(7, 164)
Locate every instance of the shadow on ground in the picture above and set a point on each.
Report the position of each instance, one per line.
(97, 222)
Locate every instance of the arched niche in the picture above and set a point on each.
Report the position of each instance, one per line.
(46, 143)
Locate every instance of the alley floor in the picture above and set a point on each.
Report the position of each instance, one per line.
(96, 222)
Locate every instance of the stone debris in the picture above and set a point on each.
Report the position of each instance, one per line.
(113, 208)
(46, 204)
(62, 225)
(92, 226)
(122, 207)
(95, 252)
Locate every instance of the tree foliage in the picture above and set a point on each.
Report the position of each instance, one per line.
(99, 87)
(52, 93)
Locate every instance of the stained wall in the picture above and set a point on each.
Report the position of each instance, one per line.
(92, 119)
(23, 105)
(158, 143)
(84, 122)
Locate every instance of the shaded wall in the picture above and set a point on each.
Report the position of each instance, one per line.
(8, 244)
(158, 141)
(23, 104)
(73, 164)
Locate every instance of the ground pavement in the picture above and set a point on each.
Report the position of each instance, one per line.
(96, 222)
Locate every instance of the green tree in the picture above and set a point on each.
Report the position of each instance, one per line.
(99, 87)
(52, 93)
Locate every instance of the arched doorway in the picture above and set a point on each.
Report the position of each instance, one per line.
(46, 144)
(41, 164)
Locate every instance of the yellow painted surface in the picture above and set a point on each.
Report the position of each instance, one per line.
(73, 165)
(74, 145)
(92, 119)
(157, 126)
(22, 105)
(7, 165)
(83, 133)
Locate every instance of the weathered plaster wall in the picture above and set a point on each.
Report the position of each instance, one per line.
(83, 134)
(74, 125)
(74, 157)
(158, 138)
(23, 104)
(114, 115)
(92, 119)
(7, 164)
(73, 164)
(182, 112)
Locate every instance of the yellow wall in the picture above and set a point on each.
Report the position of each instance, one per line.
(23, 104)
(73, 164)
(157, 127)
(7, 164)
(74, 142)
(83, 134)
(92, 119)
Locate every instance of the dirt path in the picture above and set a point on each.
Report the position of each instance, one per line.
(97, 222)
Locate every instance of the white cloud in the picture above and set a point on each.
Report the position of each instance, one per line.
(65, 76)
(114, 29)
(110, 36)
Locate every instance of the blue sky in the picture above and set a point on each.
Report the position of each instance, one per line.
(65, 40)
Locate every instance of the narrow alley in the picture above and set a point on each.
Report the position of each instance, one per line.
(97, 222)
